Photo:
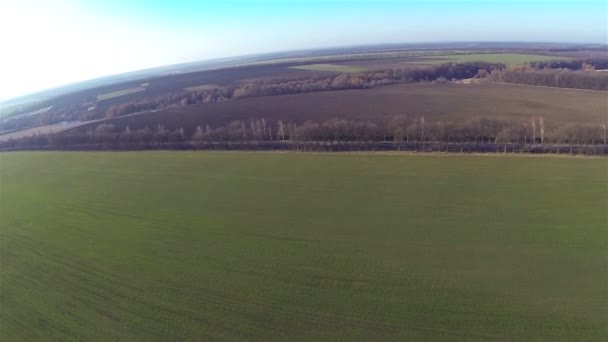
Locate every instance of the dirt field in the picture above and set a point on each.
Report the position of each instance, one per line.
(448, 102)
(49, 129)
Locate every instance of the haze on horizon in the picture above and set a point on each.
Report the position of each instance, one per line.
(51, 43)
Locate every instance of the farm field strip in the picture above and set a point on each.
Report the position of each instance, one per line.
(118, 93)
(202, 87)
(358, 56)
(329, 67)
(143, 246)
(506, 58)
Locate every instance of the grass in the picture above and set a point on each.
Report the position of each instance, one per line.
(505, 58)
(329, 67)
(118, 93)
(144, 246)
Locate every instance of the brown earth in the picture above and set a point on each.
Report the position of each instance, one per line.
(446, 102)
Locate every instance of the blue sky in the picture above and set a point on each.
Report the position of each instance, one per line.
(56, 42)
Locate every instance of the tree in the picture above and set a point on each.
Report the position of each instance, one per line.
(198, 134)
(422, 128)
(252, 126)
(397, 127)
(281, 132)
(541, 123)
(412, 131)
(269, 132)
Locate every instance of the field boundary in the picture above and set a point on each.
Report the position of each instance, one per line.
(346, 147)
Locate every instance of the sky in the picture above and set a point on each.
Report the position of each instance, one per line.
(55, 42)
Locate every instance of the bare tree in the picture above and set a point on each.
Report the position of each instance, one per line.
(422, 128)
(269, 131)
(397, 126)
(258, 129)
(541, 123)
(198, 133)
(281, 131)
(604, 127)
(252, 126)
(412, 131)
(533, 122)
(290, 130)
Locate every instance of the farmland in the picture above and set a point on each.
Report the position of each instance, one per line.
(448, 102)
(366, 86)
(329, 67)
(280, 246)
(118, 93)
(505, 58)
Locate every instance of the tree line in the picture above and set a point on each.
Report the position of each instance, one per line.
(576, 73)
(400, 130)
(572, 64)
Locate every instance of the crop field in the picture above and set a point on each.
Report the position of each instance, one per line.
(329, 67)
(505, 58)
(202, 87)
(118, 93)
(448, 102)
(145, 246)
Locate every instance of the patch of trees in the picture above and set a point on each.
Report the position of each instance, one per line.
(403, 132)
(179, 99)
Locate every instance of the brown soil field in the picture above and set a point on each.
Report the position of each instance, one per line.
(41, 130)
(446, 102)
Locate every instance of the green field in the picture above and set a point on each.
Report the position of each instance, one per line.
(505, 58)
(329, 67)
(145, 246)
(202, 87)
(118, 93)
